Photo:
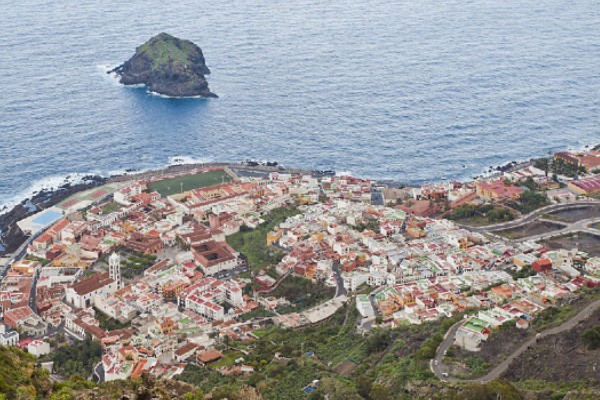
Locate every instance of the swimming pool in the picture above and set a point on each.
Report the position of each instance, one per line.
(46, 219)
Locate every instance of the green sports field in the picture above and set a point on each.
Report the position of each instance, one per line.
(168, 187)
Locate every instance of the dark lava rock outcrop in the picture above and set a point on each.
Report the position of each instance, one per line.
(167, 65)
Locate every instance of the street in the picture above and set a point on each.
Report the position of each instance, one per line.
(340, 290)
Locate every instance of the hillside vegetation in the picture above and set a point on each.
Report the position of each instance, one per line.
(19, 376)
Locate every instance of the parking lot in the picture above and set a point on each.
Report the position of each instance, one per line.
(241, 268)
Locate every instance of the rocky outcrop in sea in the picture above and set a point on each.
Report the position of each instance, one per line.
(169, 66)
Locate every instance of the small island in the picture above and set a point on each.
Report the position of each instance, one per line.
(169, 66)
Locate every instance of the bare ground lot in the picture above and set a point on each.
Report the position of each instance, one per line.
(578, 214)
(561, 357)
(502, 342)
(583, 241)
(530, 229)
(508, 338)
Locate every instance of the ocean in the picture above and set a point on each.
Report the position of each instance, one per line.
(416, 91)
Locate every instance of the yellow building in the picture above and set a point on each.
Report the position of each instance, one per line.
(26, 267)
(274, 236)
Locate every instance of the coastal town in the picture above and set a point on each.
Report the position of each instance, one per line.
(192, 267)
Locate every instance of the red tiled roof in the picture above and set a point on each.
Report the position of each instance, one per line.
(92, 283)
(209, 356)
(185, 349)
(588, 184)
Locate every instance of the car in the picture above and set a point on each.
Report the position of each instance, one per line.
(435, 362)
(445, 374)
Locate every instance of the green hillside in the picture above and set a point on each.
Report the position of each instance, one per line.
(20, 378)
(164, 48)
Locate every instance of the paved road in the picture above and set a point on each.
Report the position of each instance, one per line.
(33, 291)
(377, 197)
(578, 226)
(439, 368)
(340, 290)
(535, 214)
(99, 372)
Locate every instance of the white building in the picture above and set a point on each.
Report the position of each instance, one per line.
(123, 196)
(8, 338)
(114, 269)
(233, 294)
(593, 265)
(38, 348)
(82, 294)
(205, 308)
(364, 306)
(354, 279)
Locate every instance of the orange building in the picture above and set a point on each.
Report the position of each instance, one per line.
(171, 290)
(273, 236)
(497, 189)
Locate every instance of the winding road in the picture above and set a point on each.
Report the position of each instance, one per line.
(439, 368)
(583, 225)
(534, 215)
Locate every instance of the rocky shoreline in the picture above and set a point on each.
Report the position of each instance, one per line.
(11, 236)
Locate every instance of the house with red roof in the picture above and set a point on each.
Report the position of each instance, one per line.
(497, 189)
(82, 293)
(542, 265)
(585, 186)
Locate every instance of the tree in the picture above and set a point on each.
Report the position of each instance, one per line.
(591, 337)
(378, 340)
(78, 359)
(530, 201)
(380, 392)
(316, 395)
(195, 395)
(338, 390)
(223, 392)
(64, 393)
(364, 386)
(26, 393)
(226, 340)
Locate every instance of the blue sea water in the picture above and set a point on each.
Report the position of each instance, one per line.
(410, 90)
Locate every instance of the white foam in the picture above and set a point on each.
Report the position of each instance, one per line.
(186, 160)
(109, 76)
(114, 78)
(343, 173)
(164, 96)
(53, 182)
(44, 184)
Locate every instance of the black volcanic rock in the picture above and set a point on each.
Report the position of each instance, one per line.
(169, 66)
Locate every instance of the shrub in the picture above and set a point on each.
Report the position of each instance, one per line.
(591, 337)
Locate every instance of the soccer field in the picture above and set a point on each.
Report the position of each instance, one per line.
(168, 187)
